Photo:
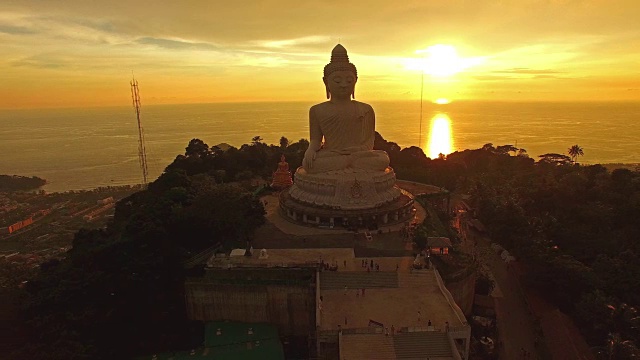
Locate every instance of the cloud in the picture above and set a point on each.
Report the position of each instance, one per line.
(100, 25)
(59, 29)
(493, 78)
(545, 76)
(176, 44)
(39, 62)
(16, 30)
(519, 74)
(261, 44)
(528, 71)
(292, 43)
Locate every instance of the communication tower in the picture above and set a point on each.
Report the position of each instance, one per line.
(142, 152)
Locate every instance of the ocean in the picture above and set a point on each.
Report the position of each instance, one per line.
(86, 148)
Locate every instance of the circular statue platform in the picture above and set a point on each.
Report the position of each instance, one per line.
(399, 210)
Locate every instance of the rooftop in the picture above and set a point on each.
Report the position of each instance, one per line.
(286, 258)
(439, 242)
(231, 340)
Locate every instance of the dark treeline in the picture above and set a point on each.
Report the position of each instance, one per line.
(575, 227)
(256, 159)
(10, 183)
(119, 292)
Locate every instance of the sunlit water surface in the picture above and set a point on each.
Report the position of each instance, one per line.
(86, 148)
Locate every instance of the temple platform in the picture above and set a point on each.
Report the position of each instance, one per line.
(347, 189)
(397, 211)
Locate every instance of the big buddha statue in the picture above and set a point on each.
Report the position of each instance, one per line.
(340, 169)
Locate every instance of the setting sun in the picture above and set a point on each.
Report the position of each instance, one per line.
(442, 61)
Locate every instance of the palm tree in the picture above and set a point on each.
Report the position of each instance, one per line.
(575, 151)
(256, 140)
(284, 142)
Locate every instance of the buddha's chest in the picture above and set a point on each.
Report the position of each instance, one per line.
(343, 126)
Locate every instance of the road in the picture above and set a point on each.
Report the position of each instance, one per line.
(515, 323)
(516, 329)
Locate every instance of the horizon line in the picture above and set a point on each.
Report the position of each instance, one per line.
(315, 101)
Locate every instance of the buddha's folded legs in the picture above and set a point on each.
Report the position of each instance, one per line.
(331, 162)
(375, 160)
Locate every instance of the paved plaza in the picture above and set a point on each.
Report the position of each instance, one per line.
(414, 301)
(371, 283)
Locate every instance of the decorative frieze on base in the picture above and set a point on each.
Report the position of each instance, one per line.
(347, 189)
(399, 210)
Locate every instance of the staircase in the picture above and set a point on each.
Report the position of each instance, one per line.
(422, 345)
(335, 280)
(369, 347)
(422, 279)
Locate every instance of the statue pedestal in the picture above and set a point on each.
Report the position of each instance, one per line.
(346, 198)
(348, 189)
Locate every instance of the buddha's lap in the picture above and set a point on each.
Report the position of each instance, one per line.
(354, 155)
(368, 160)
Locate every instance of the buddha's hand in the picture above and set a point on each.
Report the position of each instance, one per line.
(309, 156)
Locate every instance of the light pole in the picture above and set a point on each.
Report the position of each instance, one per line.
(421, 92)
(422, 69)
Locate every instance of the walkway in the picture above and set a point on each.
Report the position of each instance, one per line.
(516, 327)
(400, 299)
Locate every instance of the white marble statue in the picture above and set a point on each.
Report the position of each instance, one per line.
(340, 169)
(346, 126)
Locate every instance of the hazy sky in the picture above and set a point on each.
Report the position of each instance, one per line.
(82, 52)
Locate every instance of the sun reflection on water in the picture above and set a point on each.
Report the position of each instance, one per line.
(440, 137)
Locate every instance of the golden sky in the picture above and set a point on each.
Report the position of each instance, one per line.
(81, 52)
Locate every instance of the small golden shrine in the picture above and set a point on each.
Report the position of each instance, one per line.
(282, 177)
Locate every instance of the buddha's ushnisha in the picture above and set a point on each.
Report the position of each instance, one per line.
(342, 130)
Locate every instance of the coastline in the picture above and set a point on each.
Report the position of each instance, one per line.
(97, 147)
(609, 166)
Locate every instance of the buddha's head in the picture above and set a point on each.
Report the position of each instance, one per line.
(340, 76)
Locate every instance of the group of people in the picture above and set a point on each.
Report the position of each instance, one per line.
(370, 265)
(331, 267)
(358, 291)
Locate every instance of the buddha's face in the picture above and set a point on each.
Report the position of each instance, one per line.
(341, 84)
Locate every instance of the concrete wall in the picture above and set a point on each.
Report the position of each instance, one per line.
(463, 292)
(291, 307)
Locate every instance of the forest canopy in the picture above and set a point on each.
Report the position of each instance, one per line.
(119, 292)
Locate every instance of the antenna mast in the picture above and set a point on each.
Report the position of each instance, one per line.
(142, 152)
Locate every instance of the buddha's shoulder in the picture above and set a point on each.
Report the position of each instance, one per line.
(324, 106)
(327, 107)
(363, 107)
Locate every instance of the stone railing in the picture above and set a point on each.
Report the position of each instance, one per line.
(454, 347)
(318, 312)
(449, 297)
(365, 330)
(458, 329)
